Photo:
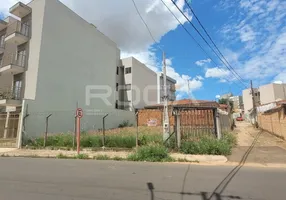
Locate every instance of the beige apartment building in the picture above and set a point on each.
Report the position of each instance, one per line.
(139, 86)
(272, 92)
(53, 61)
(265, 94)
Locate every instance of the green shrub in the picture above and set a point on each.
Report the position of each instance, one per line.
(125, 124)
(230, 138)
(82, 156)
(91, 141)
(120, 141)
(151, 153)
(210, 146)
(102, 157)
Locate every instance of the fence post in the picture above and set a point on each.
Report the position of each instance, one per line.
(217, 122)
(178, 129)
(137, 130)
(103, 131)
(47, 126)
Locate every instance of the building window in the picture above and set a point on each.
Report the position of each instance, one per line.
(128, 70)
(117, 86)
(128, 87)
(117, 70)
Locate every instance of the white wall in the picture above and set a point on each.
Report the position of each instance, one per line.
(143, 83)
(267, 93)
(73, 54)
(247, 100)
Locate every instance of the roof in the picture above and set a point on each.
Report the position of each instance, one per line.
(187, 103)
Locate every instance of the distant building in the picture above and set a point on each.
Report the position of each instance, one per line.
(237, 102)
(247, 99)
(226, 96)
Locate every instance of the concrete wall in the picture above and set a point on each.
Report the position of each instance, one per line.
(272, 92)
(247, 99)
(279, 91)
(145, 80)
(267, 93)
(274, 122)
(73, 54)
(143, 83)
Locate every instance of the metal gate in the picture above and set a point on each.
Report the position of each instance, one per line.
(197, 123)
(12, 128)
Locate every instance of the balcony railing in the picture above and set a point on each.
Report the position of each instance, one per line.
(14, 59)
(11, 93)
(18, 27)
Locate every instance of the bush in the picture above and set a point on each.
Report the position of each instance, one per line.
(82, 156)
(62, 156)
(120, 141)
(210, 146)
(151, 153)
(125, 124)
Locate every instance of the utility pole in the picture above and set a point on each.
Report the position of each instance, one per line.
(166, 133)
(253, 103)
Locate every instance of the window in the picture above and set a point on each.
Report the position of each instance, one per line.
(128, 87)
(117, 86)
(117, 70)
(128, 70)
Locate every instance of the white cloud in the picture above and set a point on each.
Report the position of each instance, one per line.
(281, 77)
(216, 73)
(202, 62)
(184, 82)
(246, 33)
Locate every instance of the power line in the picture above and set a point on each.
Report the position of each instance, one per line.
(212, 39)
(150, 33)
(237, 77)
(197, 43)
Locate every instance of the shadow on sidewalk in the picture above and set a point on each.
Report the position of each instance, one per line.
(217, 193)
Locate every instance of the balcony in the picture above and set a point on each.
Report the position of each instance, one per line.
(13, 64)
(3, 24)
(10, 96)
(20, 10)
(18, 33)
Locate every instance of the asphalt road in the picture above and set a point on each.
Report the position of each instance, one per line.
(46, 179)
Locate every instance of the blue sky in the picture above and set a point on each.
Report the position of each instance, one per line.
(250, 33)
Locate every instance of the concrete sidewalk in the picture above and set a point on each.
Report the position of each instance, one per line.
(122, 154)
(257, 147)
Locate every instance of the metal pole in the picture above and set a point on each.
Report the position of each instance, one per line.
(75, 127)
(253, 103)
(47, 126)
(78, 135)
(137, 130)
(166, 133)
(103, 130)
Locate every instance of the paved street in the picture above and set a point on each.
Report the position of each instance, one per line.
(45, 179)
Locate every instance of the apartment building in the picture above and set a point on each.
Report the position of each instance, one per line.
(272, 92)
(247, 99)
(237, 102)
(265, 94)
(138, 86)
(51, 62)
